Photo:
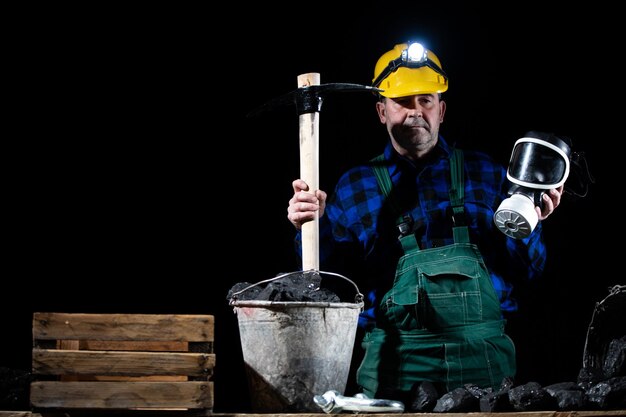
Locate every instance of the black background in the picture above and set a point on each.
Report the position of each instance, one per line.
(135, 182)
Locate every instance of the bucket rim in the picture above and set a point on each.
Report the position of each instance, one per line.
(324, 304)
(358, 296)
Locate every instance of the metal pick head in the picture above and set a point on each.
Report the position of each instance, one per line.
(309, 99)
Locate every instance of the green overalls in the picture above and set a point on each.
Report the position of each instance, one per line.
(441, 321)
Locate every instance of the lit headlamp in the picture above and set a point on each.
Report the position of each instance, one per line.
(414, 56)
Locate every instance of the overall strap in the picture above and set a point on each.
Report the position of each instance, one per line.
(384, 181)
(403, 222)
(457, 196)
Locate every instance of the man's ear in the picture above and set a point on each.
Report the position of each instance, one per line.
(382, 113)
(442, 106)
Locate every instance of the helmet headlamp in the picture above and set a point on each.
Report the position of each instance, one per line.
(413, 56)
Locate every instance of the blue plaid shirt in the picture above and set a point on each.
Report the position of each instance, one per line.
(359, 238)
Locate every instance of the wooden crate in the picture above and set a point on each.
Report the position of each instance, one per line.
(123, 362)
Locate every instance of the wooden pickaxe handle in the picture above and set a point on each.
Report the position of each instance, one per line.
(309, 172)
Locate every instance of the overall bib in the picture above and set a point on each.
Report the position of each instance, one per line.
(441, 321)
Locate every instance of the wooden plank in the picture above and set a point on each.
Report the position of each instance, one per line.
(93, 362)
(169, 327)
(472, 414)
(111, 395)
(606, 413)
(163, 378)
(143, 345)
(18, 414)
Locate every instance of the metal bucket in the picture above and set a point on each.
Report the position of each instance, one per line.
(294, 350)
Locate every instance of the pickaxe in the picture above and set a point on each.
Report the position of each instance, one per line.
(308, 100)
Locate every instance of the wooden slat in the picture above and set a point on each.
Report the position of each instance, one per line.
(611, 413)
(162, 378)
(577, 413)
(112, 395)
(143, 345)
(170, 327)
(18, 414)
(93, 362)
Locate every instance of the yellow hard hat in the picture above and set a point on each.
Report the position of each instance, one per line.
(409, 69)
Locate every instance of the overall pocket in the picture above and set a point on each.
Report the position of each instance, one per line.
(451, 292)
(439, 288)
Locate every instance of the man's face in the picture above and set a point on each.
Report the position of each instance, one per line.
(412, 122)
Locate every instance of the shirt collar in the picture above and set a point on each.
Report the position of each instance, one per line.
(442, 150)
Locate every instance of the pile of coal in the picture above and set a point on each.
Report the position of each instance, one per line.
(294, 286)
(564, 396)
(601, 383)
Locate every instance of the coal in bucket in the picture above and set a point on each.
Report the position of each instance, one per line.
(294, 350)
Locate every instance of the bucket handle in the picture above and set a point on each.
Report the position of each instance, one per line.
(358, 297)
